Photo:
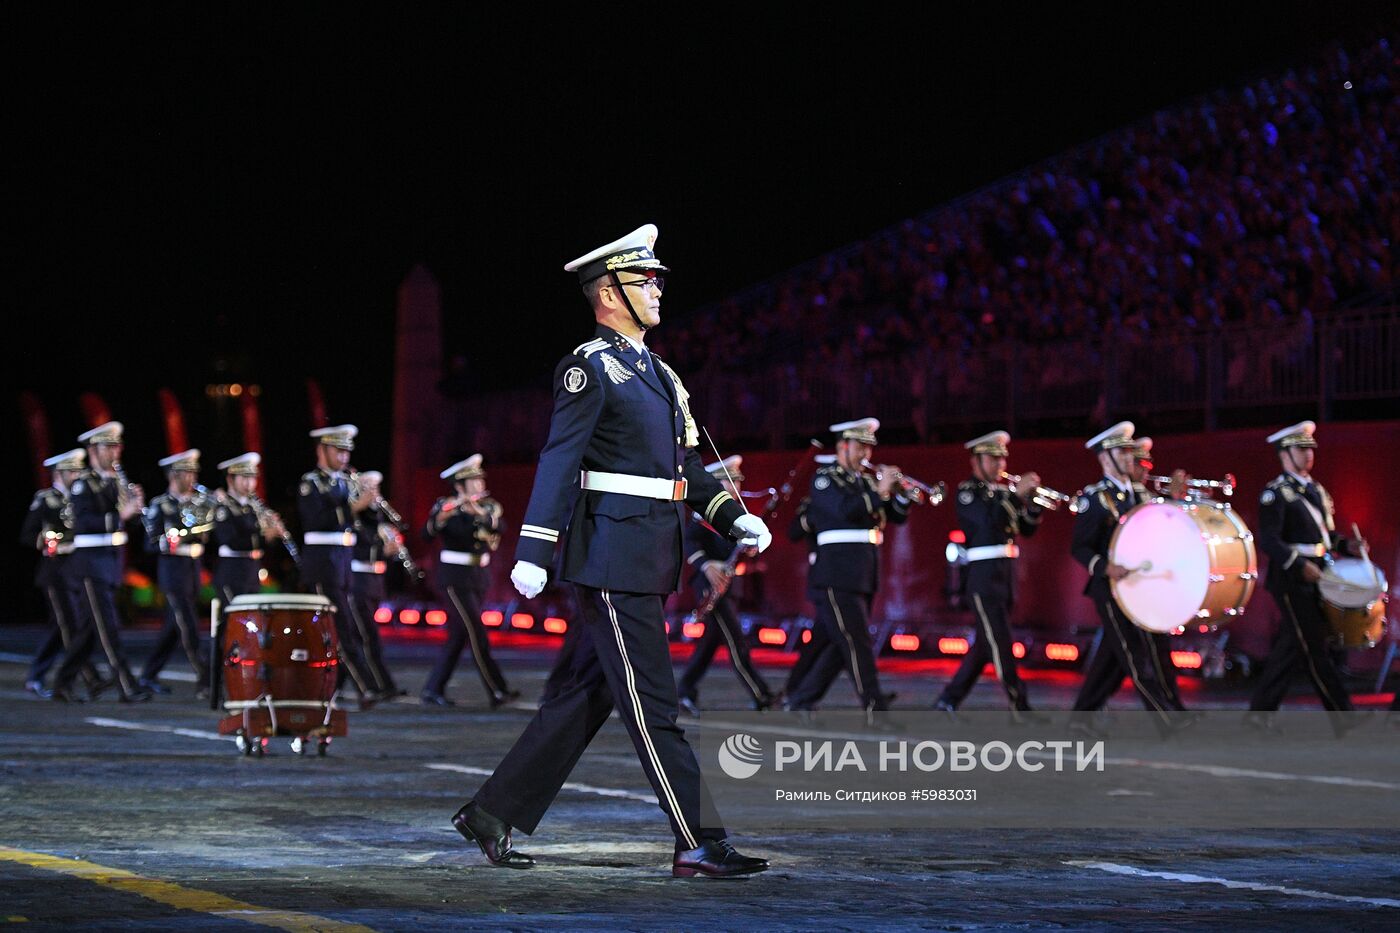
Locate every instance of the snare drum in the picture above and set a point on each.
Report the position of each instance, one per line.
(279, 669)
(1193, 563)
(1354, 602)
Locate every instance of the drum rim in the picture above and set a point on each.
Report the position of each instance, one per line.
(279, 600)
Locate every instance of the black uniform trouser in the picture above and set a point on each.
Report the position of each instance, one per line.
(464, 628)
(59, 600)
(1301, 642)
(236, 576)
(100, 625)
(325, 569)
(625, 662)
(843, 623)
(722, 628)
(179, 581)
(992, 642)
(1127, 651)
(366, 593)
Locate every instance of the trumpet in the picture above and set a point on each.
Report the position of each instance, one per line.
(920, 492)
(1226, 485)
(1043, 496)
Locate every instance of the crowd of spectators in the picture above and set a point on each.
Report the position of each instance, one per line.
(1272, 202)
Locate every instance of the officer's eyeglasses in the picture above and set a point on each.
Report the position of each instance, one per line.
(657, 282)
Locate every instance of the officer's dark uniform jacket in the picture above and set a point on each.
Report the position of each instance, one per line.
(1290, 515)
(175, 526)
(614, 413)
(991, 515)
(464, 533)
(368, 555)
(323, 502)
(238, 539)
(841, 501)
(48, 527)
(94, 499)
(1100, 507)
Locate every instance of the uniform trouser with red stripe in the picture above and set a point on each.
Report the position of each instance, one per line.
(1301, 643)
(722, 628)
(992, 642)
(843, 620)
(624, 663)
(1126, 651)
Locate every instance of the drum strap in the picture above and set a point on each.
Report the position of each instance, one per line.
(1317, 519)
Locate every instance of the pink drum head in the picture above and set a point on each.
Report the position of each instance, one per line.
(1169, 587)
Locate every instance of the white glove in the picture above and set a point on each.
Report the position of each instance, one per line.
(528, 578)
(751, 531)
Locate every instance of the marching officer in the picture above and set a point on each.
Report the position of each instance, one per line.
(368, 568)
(241, 529)
(177, 523)
(710, 556)
(1124, 649)
(48, 528)
(469, 524)
(1298, 532)
(619, 463)
(991, 517)
(328, 505)
(103, 502)
(847, 513)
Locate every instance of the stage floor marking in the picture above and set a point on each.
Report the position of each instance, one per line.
(178, 896)
(147, 727)
(1187, 878)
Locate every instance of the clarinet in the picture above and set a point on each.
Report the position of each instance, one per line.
(124, 491)
(266, 515)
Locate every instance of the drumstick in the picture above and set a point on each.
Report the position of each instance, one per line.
(1366, 555)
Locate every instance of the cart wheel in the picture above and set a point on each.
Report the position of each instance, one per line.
(245, 747)
(259, 746)
(323, 746)
(298, 745)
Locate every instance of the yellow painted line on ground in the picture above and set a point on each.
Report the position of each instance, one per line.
(174, 895)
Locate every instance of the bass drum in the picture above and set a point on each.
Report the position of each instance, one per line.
(1354, 602)
(1192, 563)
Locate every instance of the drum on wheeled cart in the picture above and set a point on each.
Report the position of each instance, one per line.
(278, 662)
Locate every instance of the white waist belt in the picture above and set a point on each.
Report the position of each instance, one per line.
(115, 539)
(645, 486)
(185, 550)
(334, 538)
(1309, 550)
(226, 551)
(992, 552)
(851, 536)
(364, 566)
(464, 558)
(65, 548)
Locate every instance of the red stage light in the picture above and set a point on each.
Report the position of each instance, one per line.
(409, 616)
(693, 629)
(436, 617)
(1018, 650)
(957, 537)
(522, 620)
(904, 642)
(492, 618)
(1188, 660)
(383, 615)
(952, 645)
(555, 626)
(806, 635)
(772, 636)
(1056, 652)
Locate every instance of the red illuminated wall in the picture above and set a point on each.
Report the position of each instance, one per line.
(1353, 462)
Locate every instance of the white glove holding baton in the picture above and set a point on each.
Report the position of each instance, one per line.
(529, 579)
(750, 530)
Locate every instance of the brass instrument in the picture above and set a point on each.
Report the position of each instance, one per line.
(197, 515)
(918, 491)
(1226, 485)
(268, 520)
(126, 492)
(1043, 496)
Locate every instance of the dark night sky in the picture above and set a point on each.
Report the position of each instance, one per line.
(188, 188)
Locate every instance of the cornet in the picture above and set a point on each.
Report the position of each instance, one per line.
(1226, 485)
(1043, 496)
(919, 491)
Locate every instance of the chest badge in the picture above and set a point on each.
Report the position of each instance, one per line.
(615, 370)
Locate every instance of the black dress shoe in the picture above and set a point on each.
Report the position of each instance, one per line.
(717, 859)
(66, 695)
(37, 688)
(101, 687)
(139, 695)
(492, 835)
(947, 709)
(1262, 721)
(765, 702)
(501, 699)
(368, 699)
(155, 686)
(690, 707)
(436, 699)
(1028, 717)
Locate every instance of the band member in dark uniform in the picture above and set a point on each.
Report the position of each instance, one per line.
(178, 522)
(103, 503)
(1297, 531)
(619, 463)
(469, 524)
(242, 529)
(991, 517)
(1124, 649)
(48, 528)
(328, 500)
(709, 553)
(847, 512)
(368, 570)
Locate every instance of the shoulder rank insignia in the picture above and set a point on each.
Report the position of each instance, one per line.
(615, 370)
(821, 482)
(1288, 492)
(966, 496)
(1267, 497)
